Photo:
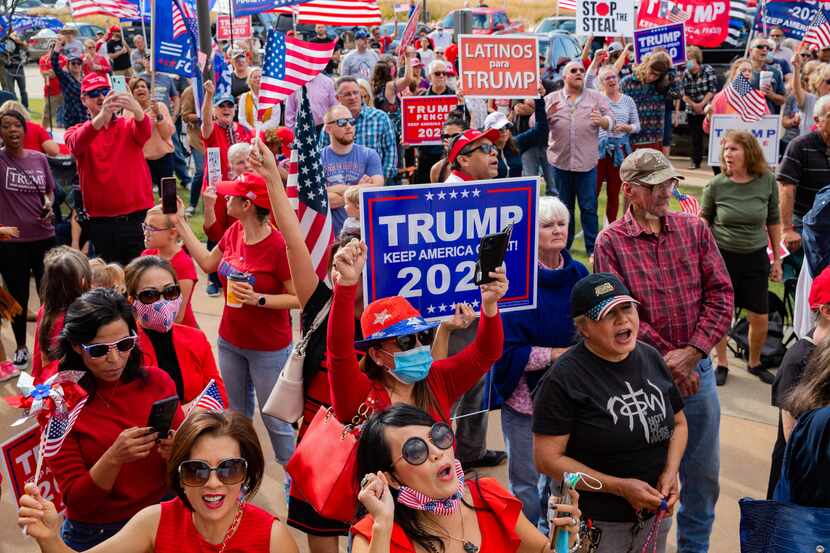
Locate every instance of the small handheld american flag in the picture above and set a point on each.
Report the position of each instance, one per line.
(817, 35)
(210, 399)
(58, 427)
(688, 203)
(747, 101)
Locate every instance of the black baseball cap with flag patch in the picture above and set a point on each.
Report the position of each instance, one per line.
(596, 294)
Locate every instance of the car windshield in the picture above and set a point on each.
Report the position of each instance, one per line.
(480, 21)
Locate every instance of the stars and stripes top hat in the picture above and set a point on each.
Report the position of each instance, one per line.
(247, 185)
(389, 317)
(596, 294)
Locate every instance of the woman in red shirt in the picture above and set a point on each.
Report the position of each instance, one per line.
(215, 467)
(183, 352)
(414, 491)
(255, 330)
(109, 466)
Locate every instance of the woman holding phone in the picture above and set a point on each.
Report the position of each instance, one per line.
(158, 151)
(111, 463)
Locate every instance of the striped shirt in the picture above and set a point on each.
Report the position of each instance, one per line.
(624, 112)
(806, 166)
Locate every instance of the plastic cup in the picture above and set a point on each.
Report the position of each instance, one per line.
(765, 78)
(230, 295)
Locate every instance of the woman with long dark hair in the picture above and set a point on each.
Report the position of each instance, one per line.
(415, 493)
(110, 465)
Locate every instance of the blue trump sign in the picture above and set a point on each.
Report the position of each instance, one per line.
(671, 37)
(423, 242)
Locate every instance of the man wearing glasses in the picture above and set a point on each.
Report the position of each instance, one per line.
(672, 266)
(115, 180)
(473, 156)
(760, 56)
(345, 163)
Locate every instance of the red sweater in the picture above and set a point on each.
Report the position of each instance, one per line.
(195, 357)
(115, 179)
(113, 408)
(448, 378)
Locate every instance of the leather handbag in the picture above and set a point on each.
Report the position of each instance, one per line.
(777, 527)
(323, 467)
(288, 397)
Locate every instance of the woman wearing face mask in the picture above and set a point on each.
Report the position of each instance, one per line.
(650, 86)
(111, 465)
(416, 496)
(581, 421)
(183, 352)
(398, 366)
(216, 466)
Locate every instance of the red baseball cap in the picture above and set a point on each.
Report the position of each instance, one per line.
(250, 186)
(820, 289)
(94, 81)
(468, 137)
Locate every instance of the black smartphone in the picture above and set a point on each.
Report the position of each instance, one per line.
(491, 251)
(169, 203)
(161, 415)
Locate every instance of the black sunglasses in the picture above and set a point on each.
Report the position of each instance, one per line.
(76, 62)
(101, 350)
(98, 92)
(343, 122)
(440, 73)
(415, 451)
(194, 473)
(151, 295)
(762, 47)
(408, 341)
(487, 149)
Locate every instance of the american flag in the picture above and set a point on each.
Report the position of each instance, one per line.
(289, 64)
(338, 13)
(180, 11)
(567, 4)
(673, 13)
(688, 203)
(121, 9)
(58, 427)
(818, 35)
(409, 30)
(744, 99)
(210, 399)
(306, 189)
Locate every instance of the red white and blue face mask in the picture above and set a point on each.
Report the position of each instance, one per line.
(421, 502)
(159, 315)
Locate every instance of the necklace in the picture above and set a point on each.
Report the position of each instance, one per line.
(469, 547)
(231, 529)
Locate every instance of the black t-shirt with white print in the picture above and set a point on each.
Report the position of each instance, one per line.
(620, 418)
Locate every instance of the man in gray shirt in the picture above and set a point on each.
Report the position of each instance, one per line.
(360, 63)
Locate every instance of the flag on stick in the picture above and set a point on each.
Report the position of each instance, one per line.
(746, 100)
(210, 399)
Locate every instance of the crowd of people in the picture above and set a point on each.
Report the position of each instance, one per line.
(608, 381)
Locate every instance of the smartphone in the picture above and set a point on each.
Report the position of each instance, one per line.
(491, 251)
(161, 415)
(560, 538)
(118, 83)
(169, 202)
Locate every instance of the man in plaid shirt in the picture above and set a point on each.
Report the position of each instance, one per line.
(372, 128)
(672, 266)
(699, 87)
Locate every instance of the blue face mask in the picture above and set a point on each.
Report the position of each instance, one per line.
(413, 365)
(690, 65)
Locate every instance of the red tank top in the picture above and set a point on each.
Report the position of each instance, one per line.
(177, 534)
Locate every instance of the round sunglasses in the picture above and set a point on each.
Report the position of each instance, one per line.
(415, 451)
(123, 345)
(152, 295)
(194, 473)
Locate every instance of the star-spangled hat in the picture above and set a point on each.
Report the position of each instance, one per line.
(389, 317)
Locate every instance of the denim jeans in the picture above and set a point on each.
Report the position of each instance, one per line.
(198, 175)
(524, 479)
(580, 186)
(245, 371)
(700, 467)
(81, 536)
(535, 162)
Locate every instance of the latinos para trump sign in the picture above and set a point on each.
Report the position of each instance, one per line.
(605, 18)
(498, 66)
(423, 242)
(423, 117)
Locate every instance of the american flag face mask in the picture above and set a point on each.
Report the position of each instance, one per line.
(421, 502)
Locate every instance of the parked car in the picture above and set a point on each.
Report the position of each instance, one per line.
(558, 45)
(487, 21)
(556, 23)
(39, 43)
(23, 6)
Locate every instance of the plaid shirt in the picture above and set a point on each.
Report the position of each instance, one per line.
(678, 276)
(698, 86)
(374, 130)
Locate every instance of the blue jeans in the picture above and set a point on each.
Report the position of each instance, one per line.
(198, 175)
(524, 478)
(699, 469)
(81, 536)
(580, 186)
(535, 163)
(245, 371)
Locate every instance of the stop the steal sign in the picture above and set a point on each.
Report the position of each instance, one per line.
(498, 66)
(605, 18)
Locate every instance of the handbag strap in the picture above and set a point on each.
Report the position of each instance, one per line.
(315, 324)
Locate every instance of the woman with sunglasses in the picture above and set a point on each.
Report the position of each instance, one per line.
(215, 467)
(398, 366)
(111, 463)
(183, 352)
(415, 494)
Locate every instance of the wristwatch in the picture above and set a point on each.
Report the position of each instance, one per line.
(261, 301)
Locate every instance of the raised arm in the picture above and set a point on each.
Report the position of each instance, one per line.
(207, 109)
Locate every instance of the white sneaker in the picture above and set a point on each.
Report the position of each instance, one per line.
(21, 357)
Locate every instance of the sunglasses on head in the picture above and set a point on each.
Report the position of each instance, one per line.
(196, 473)
(152, 295)
(343, 122)
(415, 451)
(98, 92)
(408, 341)
(487, 149)
(123, 345)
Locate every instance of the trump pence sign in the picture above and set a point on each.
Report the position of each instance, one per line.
(504, 66)
(423, 242)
